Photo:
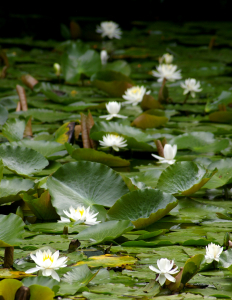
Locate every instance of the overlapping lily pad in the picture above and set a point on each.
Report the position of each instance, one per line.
(143, 207)
(85, 183)
(184, 178)
(22, 160)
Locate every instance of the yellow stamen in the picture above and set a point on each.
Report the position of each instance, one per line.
(46, 256)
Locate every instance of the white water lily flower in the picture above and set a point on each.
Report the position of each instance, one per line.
(191, 86)
(114, 141)
(166, 58)
(213, 252)
(75, 214)
(113, 108)
(109, 29)
(90, 217)
(135, 94)
(104, 57)
(165, 270)
(167, 71)
(48, 263)
(80, 214)
(169, 154)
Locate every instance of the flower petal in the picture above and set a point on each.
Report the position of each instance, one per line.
(55, 275)
(32, 270)
(154, 269)
(169, 277)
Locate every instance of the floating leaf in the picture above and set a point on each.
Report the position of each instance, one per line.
(221, 117)
(111, 82)
(39, 292)
(106, 231)
(191, 267)
(78, 60)
(223, 175)
(3, 114)
(10, 189)
(118, 66)
(142, 207)
(74, 280)
(41, 207)
(62, 135)
(8, 288)
(13, 129)
(98, 156)
(115, 127)
(224, 98)
(40, 280)
(225, 260)
(22, 160)
(149, 102)
(85, 183)
(46, 148)
(11, 231)
(184, 178)
(150, 119)
(108, 261)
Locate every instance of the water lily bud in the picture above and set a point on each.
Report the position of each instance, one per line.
(65, 230)
(57, 69)
(104, 57)
(23, 293)
(74, 244)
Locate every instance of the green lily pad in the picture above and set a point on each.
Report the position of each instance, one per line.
(74, 280)
(142, 207)
(39, 292)
(41, 207)
(40, 280)
(106, 231)
(9, 287)
(224, 98)
(3, 114)
(221, 117)
(11, 231)
(118, 66)
(22, 160)
(116, 127)
(10, 189)
(98, 156)
(78, 59)
(184, 178)
(85, 183)
(191, 267)
(223, 175)
(225, 260)
(150, 119)
(13, 129)
(112, 82)
(46, 148)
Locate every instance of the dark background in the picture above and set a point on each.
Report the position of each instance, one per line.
(42, 20)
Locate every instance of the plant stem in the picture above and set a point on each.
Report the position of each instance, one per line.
(186, 98)
(8, 257)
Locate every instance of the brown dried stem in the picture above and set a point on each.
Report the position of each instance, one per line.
(29, 81)
(84, 130)
(160, 148)
(90, 123)
(22, 97)
(8, 257)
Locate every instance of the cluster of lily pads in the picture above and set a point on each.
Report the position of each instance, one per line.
(69, 197)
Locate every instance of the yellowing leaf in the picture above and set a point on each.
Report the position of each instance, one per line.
(108, 260)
